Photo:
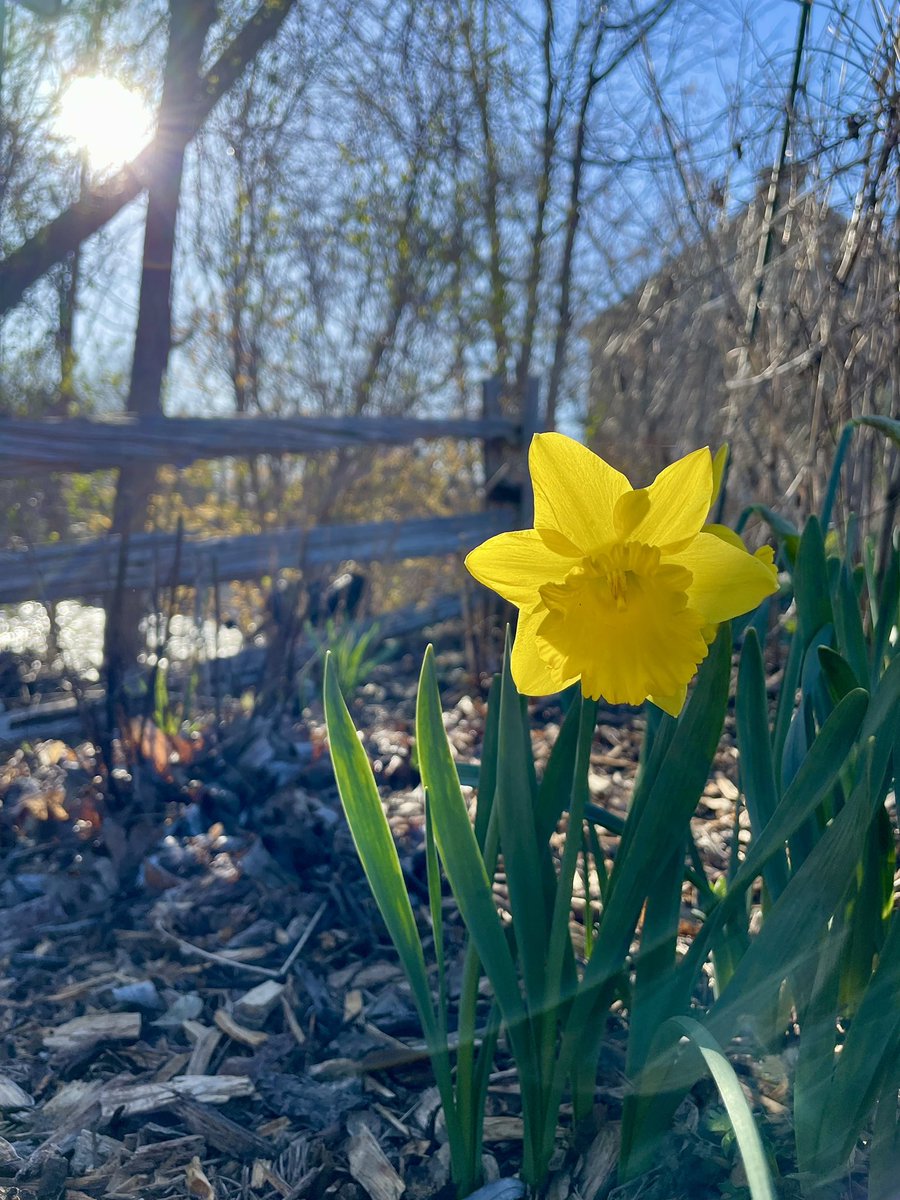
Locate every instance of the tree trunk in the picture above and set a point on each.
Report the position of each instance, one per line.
(59, 237)
(189, 24)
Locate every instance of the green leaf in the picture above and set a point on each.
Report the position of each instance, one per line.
(813, 782)
(886, 425)
(378, 855)
(469, 774)
(556, 785)
(657, 1080)
(788, 944)
(871, 1050)
(375, 844)
(458, 848)
(757, 770)
(784, 530)
(851, 639)
(839, 675)
(652, 993)
(815, 1061)
(436, 910)
(885, 1152)
(887, 614)
(671, 797)
(487, 778)
(811, 582)
(784, 707)
(521, 852)
(881, 723)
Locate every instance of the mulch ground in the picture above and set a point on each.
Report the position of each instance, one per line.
(198, 996)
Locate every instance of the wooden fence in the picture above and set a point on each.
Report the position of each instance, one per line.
(83, 444)
(93, 568)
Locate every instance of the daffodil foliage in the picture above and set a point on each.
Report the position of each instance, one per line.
(629, 593)
(620, 587)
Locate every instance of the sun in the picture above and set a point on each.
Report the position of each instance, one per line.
(107, 120)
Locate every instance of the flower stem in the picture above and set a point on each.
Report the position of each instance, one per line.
(562, 906)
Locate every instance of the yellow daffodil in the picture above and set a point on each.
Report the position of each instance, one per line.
(619, 587)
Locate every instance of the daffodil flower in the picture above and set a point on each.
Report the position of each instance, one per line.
(620, 587)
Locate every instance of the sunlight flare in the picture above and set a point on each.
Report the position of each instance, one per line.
(111, 123)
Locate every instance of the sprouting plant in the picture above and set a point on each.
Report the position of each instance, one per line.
(355, 652)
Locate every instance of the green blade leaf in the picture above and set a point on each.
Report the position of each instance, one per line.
(811, 582)
(851, 639)
(838, 673)
(375, 844)
(813, 782)
(556, 785)
(671, 798)
(668, 1071)
(487, 776)
(786, 532)
(757, 769)
(458, 848)
(787, 946)
(887, 612)
(886, 425)
(756, 1166)
(521, 852)
(435, 907)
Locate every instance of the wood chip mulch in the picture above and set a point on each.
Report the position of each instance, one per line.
(197, 994)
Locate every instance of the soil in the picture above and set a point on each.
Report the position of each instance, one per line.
(199, 996)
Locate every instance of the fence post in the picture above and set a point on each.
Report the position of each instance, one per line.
(506, 478)
(531, 424)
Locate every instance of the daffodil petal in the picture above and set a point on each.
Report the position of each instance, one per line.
(532, 674)
(575, 491)
(727, 581)
(517, 564)
(631, 509)
(726, 534)
(679, 499)
(671, 704)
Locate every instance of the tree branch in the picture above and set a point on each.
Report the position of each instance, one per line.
(91, 212)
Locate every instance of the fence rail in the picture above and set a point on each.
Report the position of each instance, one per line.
(89, 569)
(85, 444)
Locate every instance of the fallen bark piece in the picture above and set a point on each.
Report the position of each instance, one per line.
(205, 1038)
(369, 1165)
(254, 1007)
(155, 1154)
(598, 1164)
(503, 1129)
(9, 1156)
(220, 1132)
(263, 1173)
(43, 1174)
(92, 1150)
(132, 1099)
(239, 1033)
(82, 1032)
(12, 1097)
(67, 1111)
(197, 1181)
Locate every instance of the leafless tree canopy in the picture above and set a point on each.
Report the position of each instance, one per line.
(681, 217)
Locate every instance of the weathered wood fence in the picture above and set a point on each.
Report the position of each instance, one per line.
(92, 569)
